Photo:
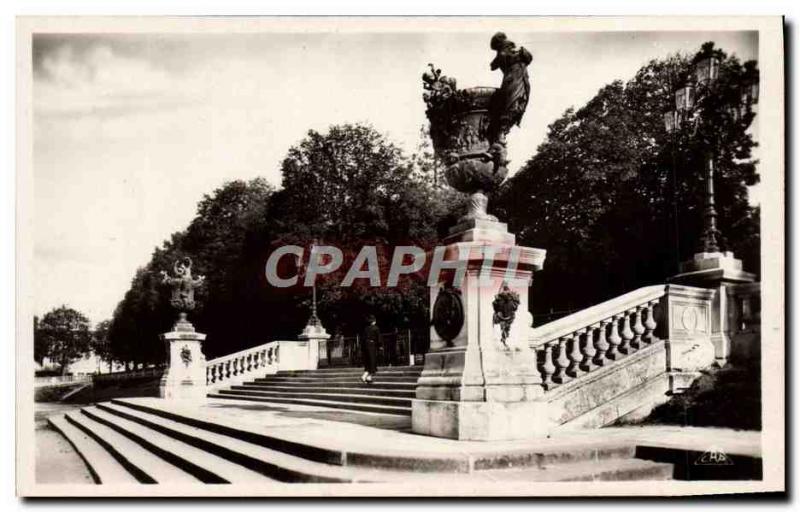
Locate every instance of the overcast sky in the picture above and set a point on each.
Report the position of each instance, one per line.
(131, 130)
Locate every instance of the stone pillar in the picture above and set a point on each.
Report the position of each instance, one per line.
(185, 377)
(687, 331)
(716, 271)
(303, 354)
(480, 380)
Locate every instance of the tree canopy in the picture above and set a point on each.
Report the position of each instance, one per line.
(617, 200)
(62, 335)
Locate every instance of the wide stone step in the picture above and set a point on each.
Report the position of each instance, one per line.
(357, 407)
(344, 378)
(102, 464)
(180, 452)
(146, 466)
(341, 384)
(250, 458)
(356, 373)
(333, 451)
(339, 397)
(354, 369)
(364, 390)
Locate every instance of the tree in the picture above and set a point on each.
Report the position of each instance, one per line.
(617, 201)
(101, 345)
(66, 335)
(350, 187)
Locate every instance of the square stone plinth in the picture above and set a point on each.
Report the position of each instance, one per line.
(480, 421)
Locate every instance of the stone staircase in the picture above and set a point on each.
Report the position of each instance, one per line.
(151, 441)
(337, 388)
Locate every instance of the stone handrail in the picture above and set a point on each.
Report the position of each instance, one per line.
(235, 368)
(597, 336)
(597, 313)
(60, 379)
(153, 371)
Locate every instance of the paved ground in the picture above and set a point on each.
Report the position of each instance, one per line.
(56, 460)
(388, 433)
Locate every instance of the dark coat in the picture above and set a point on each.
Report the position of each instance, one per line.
(369, 348)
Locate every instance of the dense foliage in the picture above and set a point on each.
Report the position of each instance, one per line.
(617, 200)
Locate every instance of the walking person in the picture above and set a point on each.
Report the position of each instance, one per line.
(369, 349)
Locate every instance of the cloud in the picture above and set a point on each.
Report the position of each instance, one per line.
(74, 78)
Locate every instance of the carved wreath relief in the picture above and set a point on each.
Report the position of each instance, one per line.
(505, 306)
(186, 355)
(448, 314)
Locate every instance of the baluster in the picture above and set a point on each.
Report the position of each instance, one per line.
(548, 368)
(589, 350)
(208, 375)
(562, 361)
(626, 333)
(614, 339)
(575, 355)
(227, 370)
(650, 323)
(638, 328)
(601, 344)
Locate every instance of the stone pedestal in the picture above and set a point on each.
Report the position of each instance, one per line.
(688, 329)
(716, 271)
(185, 377)
(480, 383)
(303, 354)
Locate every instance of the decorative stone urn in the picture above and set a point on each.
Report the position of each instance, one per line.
(480, 380)
(460, 131)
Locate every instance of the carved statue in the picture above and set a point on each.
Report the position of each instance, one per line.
(505, 306)
(468, 126)
(509, 102)
(183, 286)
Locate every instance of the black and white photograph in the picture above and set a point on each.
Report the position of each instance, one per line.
(458, 256)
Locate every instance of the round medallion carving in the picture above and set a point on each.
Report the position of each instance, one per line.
(448, 314)
(689, 318)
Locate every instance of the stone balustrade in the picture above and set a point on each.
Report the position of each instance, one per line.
(235, 368)
(593, 338)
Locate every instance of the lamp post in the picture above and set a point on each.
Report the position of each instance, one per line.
(688, 100)
(710, 267)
